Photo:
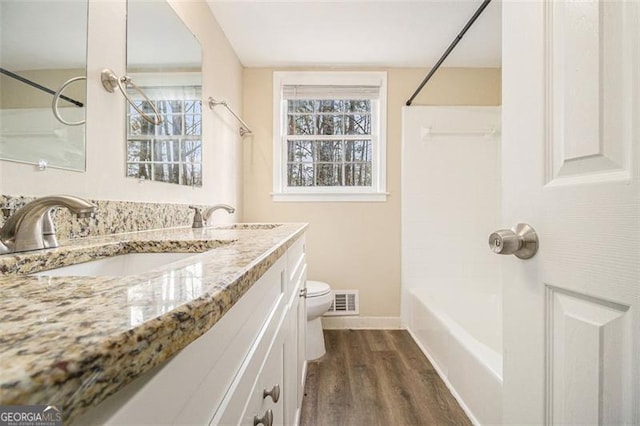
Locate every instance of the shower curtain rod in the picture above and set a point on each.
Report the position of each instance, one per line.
(453, 44)
(39, 86)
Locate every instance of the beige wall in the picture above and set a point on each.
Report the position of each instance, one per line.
(353, 245)
(105, 174)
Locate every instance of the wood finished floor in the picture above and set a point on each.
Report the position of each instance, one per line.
(376, 377)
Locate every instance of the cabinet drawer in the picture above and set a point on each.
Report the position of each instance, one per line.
(295, 353)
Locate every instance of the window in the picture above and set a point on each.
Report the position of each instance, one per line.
(329, 141)
(171, 151)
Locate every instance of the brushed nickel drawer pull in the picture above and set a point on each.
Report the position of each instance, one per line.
(274, 393)
(266, 420)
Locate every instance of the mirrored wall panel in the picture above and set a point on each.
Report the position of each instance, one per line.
(43, 52)
(164, 60)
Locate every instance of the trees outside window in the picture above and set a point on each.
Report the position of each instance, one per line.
(171, 151)
(329, 142)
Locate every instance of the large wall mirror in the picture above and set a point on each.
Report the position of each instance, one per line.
(43, 51)
(164, 59)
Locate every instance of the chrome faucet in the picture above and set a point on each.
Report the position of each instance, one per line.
(208, 213)
(31, 227)
(197, 217)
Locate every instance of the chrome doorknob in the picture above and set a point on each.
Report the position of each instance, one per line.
(521, 241)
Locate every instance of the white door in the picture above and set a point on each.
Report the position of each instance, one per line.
(571, 142)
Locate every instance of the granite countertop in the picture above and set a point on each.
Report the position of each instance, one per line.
(73, 341)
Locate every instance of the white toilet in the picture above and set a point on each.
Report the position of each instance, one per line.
(319, 299)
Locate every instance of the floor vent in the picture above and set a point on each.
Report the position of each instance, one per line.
(345, 302)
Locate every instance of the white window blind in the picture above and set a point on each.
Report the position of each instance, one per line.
(330, 92)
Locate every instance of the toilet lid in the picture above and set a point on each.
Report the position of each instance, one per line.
(317, 288)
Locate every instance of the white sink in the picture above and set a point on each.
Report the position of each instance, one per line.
(122, 265)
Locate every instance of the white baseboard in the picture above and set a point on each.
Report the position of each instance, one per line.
(362, 323)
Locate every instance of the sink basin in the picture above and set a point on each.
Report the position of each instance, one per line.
(122, 265)
(249, 226)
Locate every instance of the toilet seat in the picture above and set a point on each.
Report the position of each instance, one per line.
(317, 288)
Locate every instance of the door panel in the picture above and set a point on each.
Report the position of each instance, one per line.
(589, 103)
(588, 357)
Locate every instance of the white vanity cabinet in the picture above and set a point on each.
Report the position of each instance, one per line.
(229, 374)
(284, 367)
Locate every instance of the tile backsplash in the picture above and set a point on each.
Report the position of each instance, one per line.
(112, 217)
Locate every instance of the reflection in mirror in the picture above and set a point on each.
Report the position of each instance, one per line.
(164, 60)
(43, 49)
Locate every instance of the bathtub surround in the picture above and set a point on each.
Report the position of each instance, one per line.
(451, 281)
(112, 217)
(99, 333)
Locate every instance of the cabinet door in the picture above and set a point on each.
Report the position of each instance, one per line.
(295, 352)
(291, 362)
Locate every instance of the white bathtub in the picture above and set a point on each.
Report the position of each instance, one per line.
(461, 335)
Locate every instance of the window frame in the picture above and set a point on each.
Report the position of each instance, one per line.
(377, 190)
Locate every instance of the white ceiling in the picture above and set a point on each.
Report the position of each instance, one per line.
(397, 33)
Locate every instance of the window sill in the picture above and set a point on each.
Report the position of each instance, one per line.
(362, 197)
